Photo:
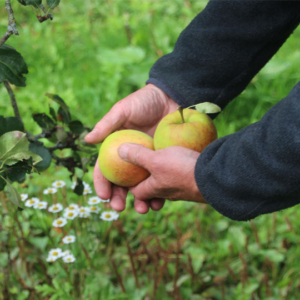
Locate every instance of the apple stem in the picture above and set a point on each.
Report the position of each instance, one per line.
(180, 108)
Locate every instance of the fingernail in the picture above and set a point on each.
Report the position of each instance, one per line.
(91, 134)
(123, 151)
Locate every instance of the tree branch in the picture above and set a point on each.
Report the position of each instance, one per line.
(11, 28)
(13, 100)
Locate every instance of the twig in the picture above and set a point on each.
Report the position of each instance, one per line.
(46, 16)
(119, 278)
(12, 100)
(11, 27)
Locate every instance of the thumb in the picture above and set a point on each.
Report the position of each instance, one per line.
(136, 154)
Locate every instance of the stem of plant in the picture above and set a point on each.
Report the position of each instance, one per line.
(180, 108)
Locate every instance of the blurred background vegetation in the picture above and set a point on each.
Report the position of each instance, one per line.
(93, 54)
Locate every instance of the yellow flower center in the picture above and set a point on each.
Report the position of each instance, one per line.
(58, 183)
(69, 259)
(31, 201)
(50, 191)
(107, 216)
(71, 207)
(93, 208)
(55, 207)
(69, 239)
(55, 253)
(59, 222)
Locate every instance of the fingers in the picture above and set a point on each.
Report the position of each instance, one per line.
(143, 190)
(101, 184)
(112, 121)
(118, 198)
(157, 204)
(136, 154)
(140, 206)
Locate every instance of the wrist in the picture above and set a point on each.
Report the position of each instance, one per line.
(159, 94)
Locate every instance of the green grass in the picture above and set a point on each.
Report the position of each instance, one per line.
(92, 54)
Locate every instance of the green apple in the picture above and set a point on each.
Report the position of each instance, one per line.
(115, 169)
(187, 128)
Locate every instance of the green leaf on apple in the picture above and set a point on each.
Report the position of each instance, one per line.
(207, 108)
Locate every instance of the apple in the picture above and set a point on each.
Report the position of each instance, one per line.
(115, 169)
(187, 128)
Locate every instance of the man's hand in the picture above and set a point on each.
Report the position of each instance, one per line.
(171, 169)
(141, 111)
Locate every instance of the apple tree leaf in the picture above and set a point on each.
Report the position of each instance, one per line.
(10, 124)
(34, 3)
(76, 127)
(13, 195)
(14, 147)
(42, 152)
(52, 3)
(63, 110)
(207, 108)
(2, 183)
(12, 66)
(43, 120)
(18, 171)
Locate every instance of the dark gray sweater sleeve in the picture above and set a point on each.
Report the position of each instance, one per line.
(221, 50)
(256, 170)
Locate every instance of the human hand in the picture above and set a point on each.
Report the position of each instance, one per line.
(141, 111)
(171, 172)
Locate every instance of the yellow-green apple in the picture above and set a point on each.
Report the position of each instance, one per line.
(115, 169)
(187, 128)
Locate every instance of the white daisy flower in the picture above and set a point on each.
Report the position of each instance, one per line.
(50, 191)
(109, 215)
(86, 184)
(55, 253)
(69, 258)
(40, 205)
(72, 207)
(23, 197)
(69, 239)
(31, 202)
(55, 208)
(60, 222)
(94, 209)
(83, 209)
(51, 259)
(58, 184)
(70, 214)
(84, 214)
(94, 200)
(66, 252)
(87, 190)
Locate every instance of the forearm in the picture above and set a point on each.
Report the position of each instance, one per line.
(221, 50)
(256, 170)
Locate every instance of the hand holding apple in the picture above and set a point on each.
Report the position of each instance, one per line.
(172, 172)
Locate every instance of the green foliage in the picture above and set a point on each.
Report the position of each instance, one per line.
(34, 3)
(12, 66)
(10, 124)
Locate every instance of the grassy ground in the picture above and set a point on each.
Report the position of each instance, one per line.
(92, 54)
